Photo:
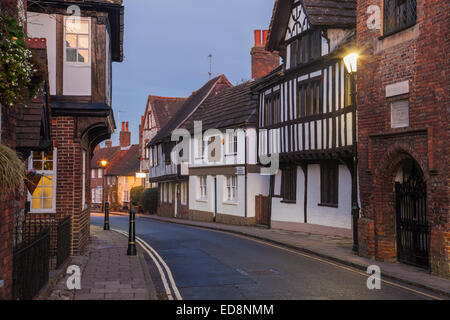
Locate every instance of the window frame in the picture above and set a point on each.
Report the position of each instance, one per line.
(89, 34)
(231, 189)
(52, 173)
(329, 185)
(387, 31)
(202, 187)
(183, 195)
(288, 190)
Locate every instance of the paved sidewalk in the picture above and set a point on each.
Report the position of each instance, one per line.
(331, 247)
(107, 272)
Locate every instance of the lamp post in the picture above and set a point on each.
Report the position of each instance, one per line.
(351, 62)
(105, 205)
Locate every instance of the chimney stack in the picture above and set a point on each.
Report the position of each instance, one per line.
(108, 144)
(263, 62)
(125, 136)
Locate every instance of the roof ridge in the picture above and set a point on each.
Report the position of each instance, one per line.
(171, 98)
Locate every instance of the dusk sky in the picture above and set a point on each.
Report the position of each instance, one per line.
(167, 44)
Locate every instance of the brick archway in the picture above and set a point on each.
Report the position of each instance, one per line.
(384, 199)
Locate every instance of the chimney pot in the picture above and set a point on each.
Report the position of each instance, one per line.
(264, 40)
(108, 144)
(123, 126)
(126, 126)
(257, 38)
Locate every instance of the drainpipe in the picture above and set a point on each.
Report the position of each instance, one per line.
(246, 178)
(215, 198)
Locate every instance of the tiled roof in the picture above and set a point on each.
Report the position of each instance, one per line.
(229, 108)
(194, 100)
(107, 154)
(127, 165)
(163, 108)
(325, 13)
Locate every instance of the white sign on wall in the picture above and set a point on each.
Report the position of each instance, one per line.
(400, 114)
(397, 89)
(240, 171)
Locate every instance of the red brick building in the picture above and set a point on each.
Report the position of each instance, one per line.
(403, 113)
(24, 129)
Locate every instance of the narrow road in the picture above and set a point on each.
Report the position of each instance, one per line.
(214, 265)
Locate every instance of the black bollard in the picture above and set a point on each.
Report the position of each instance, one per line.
(106, 224)
(132, 235)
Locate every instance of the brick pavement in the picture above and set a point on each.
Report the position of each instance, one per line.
(107, 272)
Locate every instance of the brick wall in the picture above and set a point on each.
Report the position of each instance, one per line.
(7, 210)
(419, 55)
(69, 183)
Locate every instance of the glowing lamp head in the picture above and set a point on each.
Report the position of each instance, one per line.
(351, 62)
(103, 163)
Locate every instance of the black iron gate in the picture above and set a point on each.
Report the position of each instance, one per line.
(413, 233)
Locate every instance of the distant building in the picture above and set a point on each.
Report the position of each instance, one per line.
(158, 112)
(119, 176)
(173, 179)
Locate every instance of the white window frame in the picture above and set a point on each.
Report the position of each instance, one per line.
(170, 192)
(184, 193)
(202, 188)
(100, 173)
(73, 63)
(231, 189)
(93, 174)
(52, 173)
(164, 185)
(126, 195)
(232, 142)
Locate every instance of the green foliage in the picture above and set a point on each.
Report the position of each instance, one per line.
(150, 200)
(20, 78)
(136, 195)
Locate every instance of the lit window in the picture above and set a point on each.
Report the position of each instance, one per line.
(43, 197)
(231, 188)
(77, 40)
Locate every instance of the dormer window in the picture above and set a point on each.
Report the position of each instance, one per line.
(305, 48)
(398, 15)
(77, 41)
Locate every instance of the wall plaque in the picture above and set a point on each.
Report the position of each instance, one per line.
(400, 114)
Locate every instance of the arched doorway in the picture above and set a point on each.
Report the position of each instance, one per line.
(413, 232)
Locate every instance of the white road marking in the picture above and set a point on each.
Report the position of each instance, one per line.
(169, 273)
(148, 249)
(311, 257)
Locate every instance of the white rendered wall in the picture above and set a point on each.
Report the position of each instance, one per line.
(41, 25)
(334, 217)
(289, 212)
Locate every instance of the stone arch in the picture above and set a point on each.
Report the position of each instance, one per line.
(384, 197)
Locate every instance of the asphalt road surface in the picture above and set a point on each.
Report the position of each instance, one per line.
(219, 266)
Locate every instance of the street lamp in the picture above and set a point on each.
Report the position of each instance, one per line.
(351, 63)
(105, 205)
